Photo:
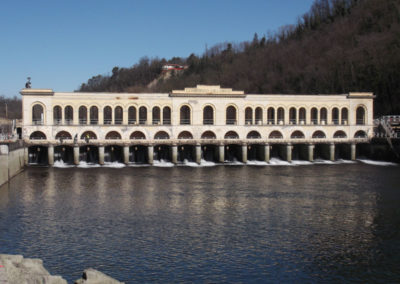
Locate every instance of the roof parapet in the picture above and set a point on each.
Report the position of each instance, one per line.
(206, 91)
(360, 95)
(36, 92)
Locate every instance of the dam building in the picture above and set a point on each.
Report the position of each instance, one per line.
(204, 123)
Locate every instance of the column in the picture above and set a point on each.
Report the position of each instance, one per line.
(267, 152)
(76, 155)
(174, 154)
(353, 151)
(332, 151)
(150, 154)
(221, 152)
(198, 154)
(126, 154)
(311, 152)
(50, 154)
(244, 153)
(289, 148)
(101, 155)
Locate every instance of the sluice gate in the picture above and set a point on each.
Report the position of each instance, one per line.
(64, 154)
(37, 155)
(138, 154)
(113, 154)
(89, 154)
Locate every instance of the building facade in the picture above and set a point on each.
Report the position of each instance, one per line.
(190, 124)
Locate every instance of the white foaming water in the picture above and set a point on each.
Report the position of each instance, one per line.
(278, 162)
(83, 164)
(113, 165)
(162, 164)
(256, 163)
(133, 165)
(377, 163)
(203, 163)
(233, 163)
(61, 164)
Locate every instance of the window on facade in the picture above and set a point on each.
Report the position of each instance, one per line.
(131, 115)
(118, 115)
(82, 113)
(69, 114)
(107, 115)
(94, 115)
(323, 116)
(230, 115)
(281, 115)
(185, 115)
(360, 116)
(248, 115)
(208, 115)
(167, 115)
(259, 116)
(314, 115)
(302, 115)
(271, 115)
(345, 116)
(292, 116)
(156, 115)
(142, 115)
(335, 116)
(57, 115)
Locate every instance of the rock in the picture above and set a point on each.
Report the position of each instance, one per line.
(19, 270)
(92, 276)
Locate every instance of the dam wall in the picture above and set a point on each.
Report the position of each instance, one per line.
(12, 160)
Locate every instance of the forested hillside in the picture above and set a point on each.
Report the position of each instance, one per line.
(337, 47)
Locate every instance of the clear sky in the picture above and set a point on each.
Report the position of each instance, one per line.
(63, 43)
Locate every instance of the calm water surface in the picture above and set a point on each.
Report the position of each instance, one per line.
(319, 223)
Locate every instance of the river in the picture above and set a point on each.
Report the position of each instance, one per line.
(305, 223)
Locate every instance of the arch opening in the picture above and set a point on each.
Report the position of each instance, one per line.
(167, 115)
(292, 115)
(118, 115)
(259, 116)
(231, 135)
(281, 115)
(318, 134)
(253, 135)
(113, 135)
(63, 135)
(132, 115)
(37, 115)
(137, 135)
(271, 115)
(161, 135)
(297, 135)
(69, 115)
(185, 135)
(88, 135)
(82, 115)
(156, 115)
(360, 134)
(335, 116)
(231, 117)
(94, 115)
(360, 116)
(37, 135)
(57, 115)
(107, 115)
(248, 116)
(345, 116)
(208, 115)
(208, 135)
(275, 135)
(185, 115)
(142, 115)
(339, 134)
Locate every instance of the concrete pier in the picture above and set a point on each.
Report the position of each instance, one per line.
(332, 152)
(101, 155)
(311, 152)
(267, 149)
(244, 153)
(174, 155)
(353, 152)
(150, 154)
(221, 153)
(126, 155)
(76, 155)
(50, 153)
(198, 154)
(289, 149)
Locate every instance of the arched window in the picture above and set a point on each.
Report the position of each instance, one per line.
(345, 116)
(161, 135)
(208, 115)
(302, 115)
(281, 115)
(231, 135)
(253, 135)
(107, 115)
(185, 115)
(314, 115)
(360, 116)
(248, 115)
(118, 115)
(69, 114)
(94, 115)
(335, 116)
(360, 134)
(37, 115)
(185, 135)
(142, 115)
(57, 115)
(82, 112)
(113, 135)
(156, 115)
(132, 115)
(230, 115)
(271, 115)
(259, 116)
(297, 135)
(167, 115)
(318, 135)
(63, 135)
(88, 135)
(275, 135)
(208, 135)
(323, 116)
(37, 135)
(137, 135)
(339, 134)
(292, 115)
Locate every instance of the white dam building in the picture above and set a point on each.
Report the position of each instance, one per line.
(195, 124)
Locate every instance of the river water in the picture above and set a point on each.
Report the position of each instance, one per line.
(305, 223)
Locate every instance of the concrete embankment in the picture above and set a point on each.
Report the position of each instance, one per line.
(12, 160)
(15, 269)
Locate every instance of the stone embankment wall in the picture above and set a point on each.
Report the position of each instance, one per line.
(12, 160)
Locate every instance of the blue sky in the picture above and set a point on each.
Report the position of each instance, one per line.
(61, 44)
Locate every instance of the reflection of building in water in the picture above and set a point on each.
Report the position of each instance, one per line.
(203, 123)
